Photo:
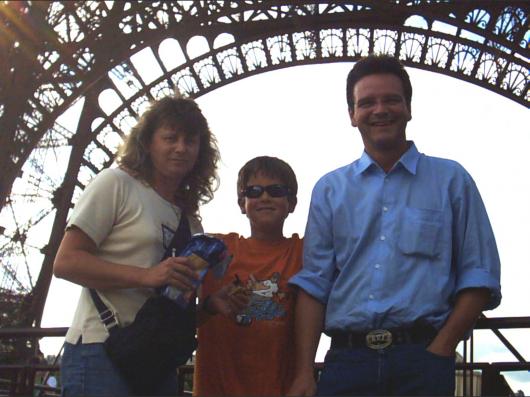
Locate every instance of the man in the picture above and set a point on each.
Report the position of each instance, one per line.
(399, 256)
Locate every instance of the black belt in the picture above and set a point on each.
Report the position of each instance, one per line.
(381, 338)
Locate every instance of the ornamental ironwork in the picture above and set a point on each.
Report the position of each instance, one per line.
(109, 59)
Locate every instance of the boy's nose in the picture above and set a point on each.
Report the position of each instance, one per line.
(265, 196)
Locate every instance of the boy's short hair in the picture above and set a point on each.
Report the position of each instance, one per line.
(271, 167)
(377, 64)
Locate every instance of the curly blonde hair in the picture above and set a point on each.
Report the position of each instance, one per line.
(133, 156)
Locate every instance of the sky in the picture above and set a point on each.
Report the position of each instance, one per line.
(300, 115)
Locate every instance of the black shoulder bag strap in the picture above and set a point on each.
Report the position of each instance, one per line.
(181, 237)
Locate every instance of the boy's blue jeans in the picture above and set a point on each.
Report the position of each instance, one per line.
(87, 371)
(407, 369)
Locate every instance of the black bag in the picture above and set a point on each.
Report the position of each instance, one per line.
(161, 338)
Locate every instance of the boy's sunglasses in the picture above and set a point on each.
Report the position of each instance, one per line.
(255, 191)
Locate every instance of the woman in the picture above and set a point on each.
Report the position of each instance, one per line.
(120, 228)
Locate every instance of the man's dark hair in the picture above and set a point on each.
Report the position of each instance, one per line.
(377, 64)
(271, 167)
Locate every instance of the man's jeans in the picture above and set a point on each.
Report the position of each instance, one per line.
(396, 370)
(87, 371)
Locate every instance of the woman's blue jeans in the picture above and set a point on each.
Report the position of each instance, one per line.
(398, 370)
(87, 371)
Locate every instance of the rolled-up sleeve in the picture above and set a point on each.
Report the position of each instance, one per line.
(317, 275)
(475, 250)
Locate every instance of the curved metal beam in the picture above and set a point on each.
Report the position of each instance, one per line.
(67, 50)
(58, 50)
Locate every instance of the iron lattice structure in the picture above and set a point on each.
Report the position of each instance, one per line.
(109, 59)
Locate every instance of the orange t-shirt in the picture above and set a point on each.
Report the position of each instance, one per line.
(255, 357)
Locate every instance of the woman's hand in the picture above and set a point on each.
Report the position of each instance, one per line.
(174, 271)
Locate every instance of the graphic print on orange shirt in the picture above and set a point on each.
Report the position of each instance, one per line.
(265, 301)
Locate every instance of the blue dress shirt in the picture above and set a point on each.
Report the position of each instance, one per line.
(384, 250)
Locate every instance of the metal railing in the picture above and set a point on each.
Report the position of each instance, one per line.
(19, 379)
(492, 383)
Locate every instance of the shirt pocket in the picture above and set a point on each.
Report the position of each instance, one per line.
(420, 232)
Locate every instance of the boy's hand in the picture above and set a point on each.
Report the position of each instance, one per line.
(229, 301)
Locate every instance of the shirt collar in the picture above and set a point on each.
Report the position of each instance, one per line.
(409, 160)
(363, 163)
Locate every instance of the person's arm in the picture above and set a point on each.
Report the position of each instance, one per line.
(75, 261)
(469, 304)
(476, 263)
(314, 282)
(309, 323)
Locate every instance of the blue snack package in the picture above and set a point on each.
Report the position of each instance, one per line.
(205, 253)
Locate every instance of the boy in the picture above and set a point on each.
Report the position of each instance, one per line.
(254, 357)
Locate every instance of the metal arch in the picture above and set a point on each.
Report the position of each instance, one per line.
(80, 41)
(82, 44)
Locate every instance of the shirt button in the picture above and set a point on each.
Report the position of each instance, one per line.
(385, 209)
(371, 296)
(383, 238)
(377, 265)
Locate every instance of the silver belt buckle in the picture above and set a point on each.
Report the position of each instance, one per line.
(378, 339)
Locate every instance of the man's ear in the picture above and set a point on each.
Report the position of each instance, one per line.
(352, 118)
(241, 203)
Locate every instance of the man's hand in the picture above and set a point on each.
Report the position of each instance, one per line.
(303, 385)
(440, 350)
(468, 306)
(309, 322)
